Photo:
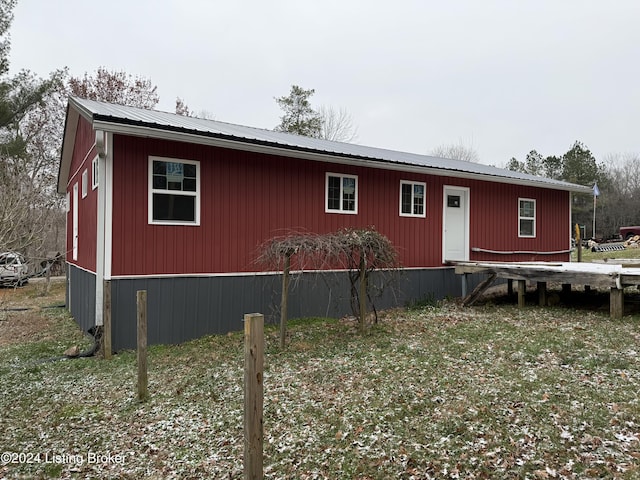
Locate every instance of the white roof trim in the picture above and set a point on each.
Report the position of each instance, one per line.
(161, 125)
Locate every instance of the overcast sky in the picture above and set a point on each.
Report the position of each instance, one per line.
(502, 76)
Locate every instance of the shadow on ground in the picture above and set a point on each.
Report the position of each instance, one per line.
(578, 298)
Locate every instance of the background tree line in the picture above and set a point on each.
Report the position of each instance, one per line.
(32, 117)
(617, 178)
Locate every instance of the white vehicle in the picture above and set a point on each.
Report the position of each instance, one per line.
(13, 269)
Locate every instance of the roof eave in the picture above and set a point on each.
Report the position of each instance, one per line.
(237, 143)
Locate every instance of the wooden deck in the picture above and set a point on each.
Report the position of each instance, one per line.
(614, 276)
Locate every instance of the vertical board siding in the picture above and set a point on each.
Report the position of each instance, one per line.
(494, 223)
(184, 308)
(247, 198)
(84, 151)
(81, 296)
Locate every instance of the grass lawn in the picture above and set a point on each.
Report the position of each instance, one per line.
(434, 392)
(589, 256)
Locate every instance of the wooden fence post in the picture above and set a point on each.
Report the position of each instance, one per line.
(141, 302)
(284, 300)
(362, 296)
(253, 395)
(106, 321)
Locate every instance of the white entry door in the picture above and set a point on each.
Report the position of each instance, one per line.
(455, 224)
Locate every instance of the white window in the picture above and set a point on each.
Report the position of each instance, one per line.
(85, 183)
(94, 174)
(174, 191)
(412, 195)
(341, 193)
(526, 217)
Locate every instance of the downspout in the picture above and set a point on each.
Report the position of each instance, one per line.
(101, 149)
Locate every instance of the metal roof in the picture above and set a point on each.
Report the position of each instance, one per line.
(151, 123)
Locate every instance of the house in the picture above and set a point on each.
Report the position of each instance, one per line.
(178, 206)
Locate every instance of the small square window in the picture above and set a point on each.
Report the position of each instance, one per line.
(412, 199)
(453, 201)
(341, 193)
(174, 191)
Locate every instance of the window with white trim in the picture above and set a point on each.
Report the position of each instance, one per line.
(412, 199)
(526, 217)
(174, 191)
(341, 193)
(85, 182)
(94, 174)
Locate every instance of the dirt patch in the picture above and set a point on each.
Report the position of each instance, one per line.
(22, 318)
(21, 327)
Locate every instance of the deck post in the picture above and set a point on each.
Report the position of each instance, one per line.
(542, 294)
(616, 302)
(522, 289)
(465, 284)
(579, 243)
(510, 286)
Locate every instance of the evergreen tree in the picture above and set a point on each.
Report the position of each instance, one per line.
(579, 166)
(299, 117)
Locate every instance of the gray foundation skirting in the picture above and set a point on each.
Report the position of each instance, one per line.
(184, 308)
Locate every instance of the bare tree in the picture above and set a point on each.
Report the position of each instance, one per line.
(619, 202)
(337, 125)
(115, 87)
(32, 112)
(359, 251)
(27, 156)
(182, 108)
(27, 181)
(32, 214)
(457, 151)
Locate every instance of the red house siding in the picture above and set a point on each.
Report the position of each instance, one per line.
(494, 222)
(83, 154)
(248, 197)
